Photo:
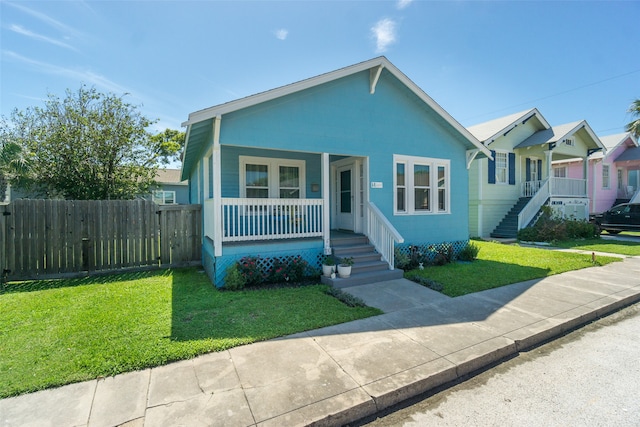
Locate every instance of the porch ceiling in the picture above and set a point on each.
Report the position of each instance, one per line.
(197, 136)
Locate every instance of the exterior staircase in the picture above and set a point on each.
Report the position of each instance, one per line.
(367, 264)
(508, 227)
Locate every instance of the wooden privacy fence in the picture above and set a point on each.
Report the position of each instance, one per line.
(54, 238)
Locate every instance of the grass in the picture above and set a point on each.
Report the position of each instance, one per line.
(64, 331)
(602, 245)
(498, 265)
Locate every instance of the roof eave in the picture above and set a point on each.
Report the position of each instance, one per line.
(522, 119)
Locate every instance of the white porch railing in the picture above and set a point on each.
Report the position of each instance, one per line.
(568, 187)
(531, 209)
(529, 188)
(269, 219)
(558, 187)
(382, 234)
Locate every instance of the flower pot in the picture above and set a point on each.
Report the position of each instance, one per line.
(344, 271)
(327, 270)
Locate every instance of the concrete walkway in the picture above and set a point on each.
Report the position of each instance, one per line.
(339, 374)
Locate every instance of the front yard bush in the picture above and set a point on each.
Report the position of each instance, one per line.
(551, 228)
(253, 271)
(469, 253)
(424, 255)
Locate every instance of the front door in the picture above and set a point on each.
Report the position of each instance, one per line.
(345, 201)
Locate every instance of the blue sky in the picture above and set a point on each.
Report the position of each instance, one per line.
(572, 60)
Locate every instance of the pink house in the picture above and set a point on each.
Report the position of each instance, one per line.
(614, 175)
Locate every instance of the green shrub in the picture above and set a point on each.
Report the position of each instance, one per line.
(250, 270)
(442, 253)
(345, 298)
(549, 228)
(297, 269)
(400, 259)
(469, 253)
(426, 282)
(234, 281)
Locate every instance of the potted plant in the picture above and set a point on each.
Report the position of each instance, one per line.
(328, 265)
(344, 268)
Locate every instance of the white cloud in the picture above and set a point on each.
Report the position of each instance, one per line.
(23, 31)
(385, 34)
(281, 34)
(46, 19)
(85, 76)
(403, 4)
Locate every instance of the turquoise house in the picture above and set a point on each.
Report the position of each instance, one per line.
(361, 151)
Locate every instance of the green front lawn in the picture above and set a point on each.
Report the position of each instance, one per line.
(603, 245)
(498, 265)
(63, 331)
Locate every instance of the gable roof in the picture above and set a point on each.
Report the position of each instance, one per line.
(169, 176)
(559, 133)
(611, 142)
(632, 153)
(488, 132)
(196, 135)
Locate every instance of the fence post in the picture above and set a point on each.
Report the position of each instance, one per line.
(3, 245)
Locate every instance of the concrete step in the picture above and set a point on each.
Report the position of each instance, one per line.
(363, 278)
(367, 266)
(341, 251)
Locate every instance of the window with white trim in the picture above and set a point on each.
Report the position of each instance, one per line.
(560, 172)
(163, 197)
(421, 185)
(502, 167)
(606, 182)
(262, 178)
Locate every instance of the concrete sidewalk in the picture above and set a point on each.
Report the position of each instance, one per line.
(339, 374)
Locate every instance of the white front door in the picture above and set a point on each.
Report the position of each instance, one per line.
(345, 197)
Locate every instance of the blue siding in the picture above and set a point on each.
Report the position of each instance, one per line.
(231, 164)
(342, 118)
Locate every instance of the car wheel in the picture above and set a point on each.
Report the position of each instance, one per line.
(612, 231)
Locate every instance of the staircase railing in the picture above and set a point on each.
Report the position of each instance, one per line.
(533, 206)
(382, 234)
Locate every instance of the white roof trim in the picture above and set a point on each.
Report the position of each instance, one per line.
(521, 120)
(380, 62)
(587, 128)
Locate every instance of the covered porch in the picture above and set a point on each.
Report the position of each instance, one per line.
(275, 197)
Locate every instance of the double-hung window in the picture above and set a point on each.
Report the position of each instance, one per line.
(606, 181)
(421, 185)
(164, 197)
(263, 178)
(502, 167)
(560, 172)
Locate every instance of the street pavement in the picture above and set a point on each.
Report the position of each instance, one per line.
(339, 374)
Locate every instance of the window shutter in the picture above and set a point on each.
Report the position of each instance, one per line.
(492, 168)
(528, 169)
(539, 170)
(512, 169)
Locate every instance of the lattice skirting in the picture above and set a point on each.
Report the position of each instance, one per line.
(220, 264)
(428, 248)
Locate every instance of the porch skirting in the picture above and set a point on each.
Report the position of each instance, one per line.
(311, 250)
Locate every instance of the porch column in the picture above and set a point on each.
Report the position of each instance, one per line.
(217, 189)
(585, 174)
(326, 209)
(548, 155)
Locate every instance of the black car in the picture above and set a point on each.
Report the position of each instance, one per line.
(624, 217)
